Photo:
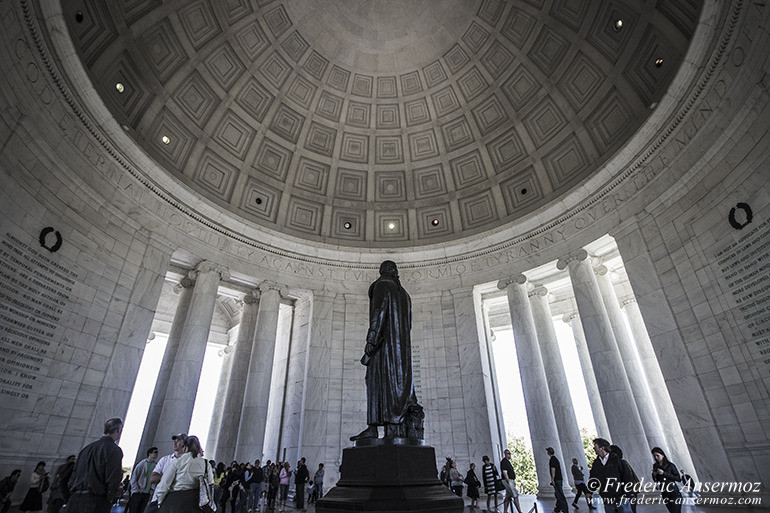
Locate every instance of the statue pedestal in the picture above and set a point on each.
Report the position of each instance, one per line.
(387, 475)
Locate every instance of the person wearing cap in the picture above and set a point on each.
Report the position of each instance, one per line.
(157, 473)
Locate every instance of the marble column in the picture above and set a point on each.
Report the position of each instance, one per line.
(186, 371)
(215, 426)
(234, 398)
(634, 371)
(558, 387)
(618, 400)
(131, 311)
(677, 444)
(150, 435)
(588, 375)
(540, 418)
(251, 431)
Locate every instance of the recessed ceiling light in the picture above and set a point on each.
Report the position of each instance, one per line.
(524, 191)
(79, 16)
(658, 62)
(119, 87)
(434, 222)
(391, 226)
(618, 25)
(258, 201)
(165, 139)
(348, 226)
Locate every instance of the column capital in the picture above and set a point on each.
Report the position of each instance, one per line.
(627, 301)
(578, 255)
(569, 317)
(207, 266)
(251, 298)
(184, 283)
(271, 285)
(602, 270)
(539, 290)
(518, 279)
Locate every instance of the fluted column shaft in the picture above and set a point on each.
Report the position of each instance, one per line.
(150, 434)
(634, 371)
(186, 372)
(660, 396)
(618, 400)
(558, 387)
(215, 426)
(251, 431)
(600, 420)
(542, 424)
(234, 400)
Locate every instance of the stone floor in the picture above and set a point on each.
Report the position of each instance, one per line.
(528, 503)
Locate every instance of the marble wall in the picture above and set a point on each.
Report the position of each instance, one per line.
(675, 198)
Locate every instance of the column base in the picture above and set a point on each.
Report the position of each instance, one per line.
(389, 476)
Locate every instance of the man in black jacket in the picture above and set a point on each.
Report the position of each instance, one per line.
(98, 472)
(6, 489)
(608, 477)
(300, 478)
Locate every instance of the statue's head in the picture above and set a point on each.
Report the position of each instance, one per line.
(388, 268)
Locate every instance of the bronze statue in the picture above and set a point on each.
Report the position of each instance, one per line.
(390, 396)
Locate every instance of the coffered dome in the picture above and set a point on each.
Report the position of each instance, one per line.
(390, 124)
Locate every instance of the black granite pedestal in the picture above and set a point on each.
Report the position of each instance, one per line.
(389, 475)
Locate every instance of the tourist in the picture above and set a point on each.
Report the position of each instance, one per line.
(156, 475)
(455, 480)
(318, 483)
(219, 476)
(140, 483)
(667, 476)
(60, 485)
(274, 482)
(301, 476)
(234, 486)
(608, 474)
(689, 484)
(444, 474)
(284, 476)
(244, 485)
(473, 484)
(580, 485)
(255, 486)
(629, 495)
(6, 489)
(491, 479)
(509, 483)
(557, 481)
(179, 489)
(98, 471)
(38, 484)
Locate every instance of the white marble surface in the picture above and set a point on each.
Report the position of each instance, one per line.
(558, 388)
(626, 428)
(540, 417)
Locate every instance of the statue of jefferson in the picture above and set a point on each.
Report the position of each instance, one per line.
(390, 396)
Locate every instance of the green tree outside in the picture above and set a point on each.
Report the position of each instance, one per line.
(588, 445)
(523, 461)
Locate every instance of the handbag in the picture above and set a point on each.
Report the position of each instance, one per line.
(206, 493)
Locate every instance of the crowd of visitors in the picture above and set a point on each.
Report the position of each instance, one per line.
(612, 476)
(93, 481)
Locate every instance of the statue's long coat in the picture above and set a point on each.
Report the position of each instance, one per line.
(389, 381)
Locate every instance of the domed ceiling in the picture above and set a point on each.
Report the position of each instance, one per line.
(381, 123)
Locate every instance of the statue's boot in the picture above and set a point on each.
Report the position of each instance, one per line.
(370, 432)
(394, 430)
